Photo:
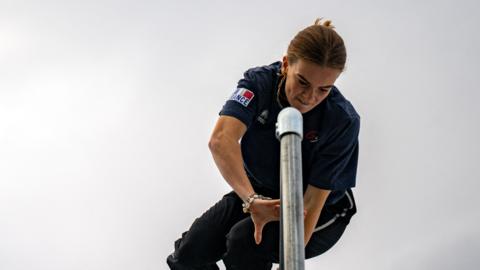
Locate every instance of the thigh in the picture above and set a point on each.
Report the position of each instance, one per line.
(204, 242)
(242, 251)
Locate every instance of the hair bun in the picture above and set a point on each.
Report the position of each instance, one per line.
(326, 23)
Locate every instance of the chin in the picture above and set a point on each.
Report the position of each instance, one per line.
(305, 110)
(302, 108)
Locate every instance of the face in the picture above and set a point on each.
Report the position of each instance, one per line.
(307, 84)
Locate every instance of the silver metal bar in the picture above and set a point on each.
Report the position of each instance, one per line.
(290, 132)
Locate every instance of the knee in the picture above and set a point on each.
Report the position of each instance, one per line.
(179, 261)
(241, 244)
(240, 237)
(243, 252)
(188, 256)
(184, 256)
(173, 262)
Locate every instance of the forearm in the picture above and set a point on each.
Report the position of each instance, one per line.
(313, 202)
(228, 158)
(310, 222)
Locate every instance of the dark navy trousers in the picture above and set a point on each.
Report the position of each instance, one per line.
(225, 233)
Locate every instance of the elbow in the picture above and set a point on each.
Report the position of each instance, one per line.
(215, 143)
(221, 143)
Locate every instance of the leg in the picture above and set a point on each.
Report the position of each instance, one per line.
(204, 243)
(242, 251)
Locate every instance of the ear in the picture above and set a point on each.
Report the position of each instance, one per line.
(284, 64)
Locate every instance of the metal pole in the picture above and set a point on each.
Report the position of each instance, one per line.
(290, 132)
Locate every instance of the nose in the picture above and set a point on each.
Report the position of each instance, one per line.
(308, 95)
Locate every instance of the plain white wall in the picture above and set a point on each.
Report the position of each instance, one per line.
(106, 108)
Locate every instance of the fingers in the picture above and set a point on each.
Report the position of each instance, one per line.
(258, 233)
(277, 211)
(275, 202)
(271, 202)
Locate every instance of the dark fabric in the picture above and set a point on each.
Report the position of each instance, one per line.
(330, 145)
(225, 233)
(329, 160)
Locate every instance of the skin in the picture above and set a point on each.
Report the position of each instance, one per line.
(307, 84)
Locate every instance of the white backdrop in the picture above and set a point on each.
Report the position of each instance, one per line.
(106, 108)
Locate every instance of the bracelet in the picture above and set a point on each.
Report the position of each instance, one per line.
(250, 199)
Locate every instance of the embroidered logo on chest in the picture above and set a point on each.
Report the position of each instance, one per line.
(312, 136)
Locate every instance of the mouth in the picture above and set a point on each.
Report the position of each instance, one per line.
(301, 102)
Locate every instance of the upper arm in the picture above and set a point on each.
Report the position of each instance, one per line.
(227, 128)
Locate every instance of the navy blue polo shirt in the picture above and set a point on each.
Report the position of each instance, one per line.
(329, 146)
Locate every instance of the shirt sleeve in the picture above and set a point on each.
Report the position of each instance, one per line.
(335, 164)
(243, 103)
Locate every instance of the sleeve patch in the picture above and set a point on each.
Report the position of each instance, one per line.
(242, 96)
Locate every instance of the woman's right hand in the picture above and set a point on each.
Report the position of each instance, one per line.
(263, 212)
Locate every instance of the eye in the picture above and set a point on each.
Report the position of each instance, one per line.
(324, 90)
(302, 83)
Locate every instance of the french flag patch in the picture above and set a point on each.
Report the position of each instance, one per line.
(242, 96)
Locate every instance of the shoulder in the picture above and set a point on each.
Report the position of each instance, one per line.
(261, 77)
(253, 93)
(265, 70)
(340, 108)
(335, 115)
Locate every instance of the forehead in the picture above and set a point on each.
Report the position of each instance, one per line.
(314, 73)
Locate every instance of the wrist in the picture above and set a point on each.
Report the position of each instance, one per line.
(248, 202)
(248, 196)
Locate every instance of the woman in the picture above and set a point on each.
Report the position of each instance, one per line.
(242, 229)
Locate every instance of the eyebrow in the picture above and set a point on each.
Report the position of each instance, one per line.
(303, 78)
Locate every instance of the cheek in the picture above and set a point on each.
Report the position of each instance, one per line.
(291, 90)
(290, 93)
